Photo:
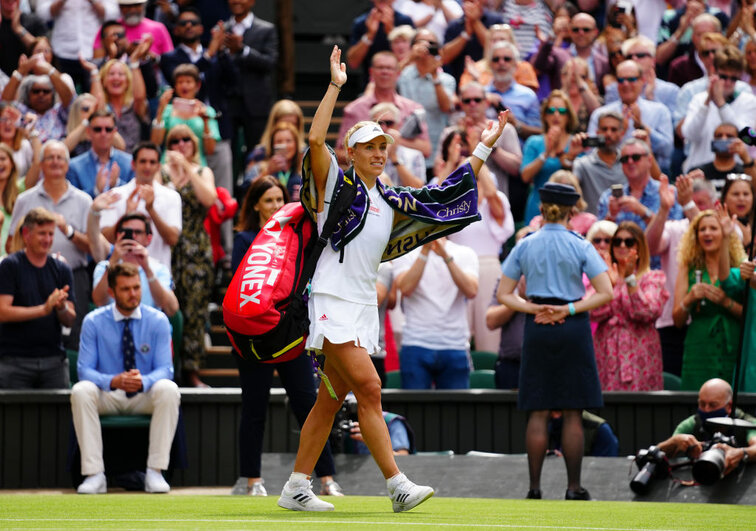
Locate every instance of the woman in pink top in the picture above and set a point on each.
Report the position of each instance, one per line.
(628, 351)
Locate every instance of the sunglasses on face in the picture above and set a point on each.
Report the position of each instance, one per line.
(44, 91)
(467, 101)
(100, 129)
(175, 141)
(616, 53)
(119, 35)
(629, 242)
(621, 80)
(635, 157)
(581, 30)
(707, 53)
(500, 58)
(725, 77)
(189, 22)
(386, 123)
(598, 240)
(554, 110)
(638, 55)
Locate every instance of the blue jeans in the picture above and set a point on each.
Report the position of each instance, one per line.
(447, 368)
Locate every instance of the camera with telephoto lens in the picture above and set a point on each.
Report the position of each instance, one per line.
(342, 425)
(652, 464)
(709, 467)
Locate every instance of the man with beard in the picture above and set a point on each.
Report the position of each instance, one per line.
(521, 101)
(125, 366)
(136, 26)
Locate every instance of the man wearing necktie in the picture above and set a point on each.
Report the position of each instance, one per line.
(125, 367)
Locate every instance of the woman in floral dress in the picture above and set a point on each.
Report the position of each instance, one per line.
(627, 346)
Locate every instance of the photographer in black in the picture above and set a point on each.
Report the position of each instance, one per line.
(690, 436)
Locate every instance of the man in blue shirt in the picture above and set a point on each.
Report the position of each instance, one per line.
(102, 167)
(125, 366)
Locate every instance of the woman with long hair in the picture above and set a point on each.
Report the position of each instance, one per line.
(583, 94)
(708, 290)
(283, 159)
(343, 303)
(558, 367)
(282, 111)
(542, 154)
(9, 184)
(737, 196)
(192, 256)
(266, 195)
(628, 350)
(17, 133)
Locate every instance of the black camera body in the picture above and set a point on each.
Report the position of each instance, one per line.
(594, 141)
(342, 425)
(709, 467)
(128, 234)
(652, 464)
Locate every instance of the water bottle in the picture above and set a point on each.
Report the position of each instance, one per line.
(699, 274)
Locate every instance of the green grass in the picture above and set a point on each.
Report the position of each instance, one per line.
(140, 511)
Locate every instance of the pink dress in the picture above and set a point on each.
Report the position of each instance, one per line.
(628, 351)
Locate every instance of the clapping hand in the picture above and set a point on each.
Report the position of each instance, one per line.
(493, 130)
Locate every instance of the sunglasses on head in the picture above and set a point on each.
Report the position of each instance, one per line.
(470, 100)
(635, 157)
(504, 58)
(725, 77)
(554, 110)
(41, 91)
(598, 240)
(581, 30)
(100, 129)
(638, 55)
(175, 141)
(738, 177)
(629, 242)
(621, 80)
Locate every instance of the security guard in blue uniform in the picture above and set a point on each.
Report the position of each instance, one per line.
(558, 369)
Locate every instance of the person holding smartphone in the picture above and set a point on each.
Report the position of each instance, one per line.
(725, 144)
(283, 159)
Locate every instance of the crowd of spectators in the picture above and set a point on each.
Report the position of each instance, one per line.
(133, 123)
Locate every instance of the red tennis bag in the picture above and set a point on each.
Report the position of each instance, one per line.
(265, 307)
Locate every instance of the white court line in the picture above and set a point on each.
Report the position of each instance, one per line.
(334, 521)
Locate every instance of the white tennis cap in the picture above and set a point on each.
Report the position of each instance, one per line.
(368, 132)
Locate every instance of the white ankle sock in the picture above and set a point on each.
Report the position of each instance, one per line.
(393, 480)
(298, 476)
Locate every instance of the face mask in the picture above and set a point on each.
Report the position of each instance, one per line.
(705, 415)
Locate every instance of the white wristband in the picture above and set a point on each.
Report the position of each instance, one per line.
(423, 257)
(690, 204)
(482, 151)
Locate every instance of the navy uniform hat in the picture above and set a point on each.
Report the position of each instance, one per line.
(558, 194)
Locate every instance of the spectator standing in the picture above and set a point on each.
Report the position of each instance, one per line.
(582, 92)
(147, 195)
(433, 15)
(435, 282)
(102, 167)
(710, 251)
(689, 66)
(524, 16)
(115, 379)
(10, 186)
(405, 166)
(720, 103)
(137, 25)
(18, 31)
(628, 352)
(520, 100)
(542, 154)
(35, 300)
(737, 198)
(75, 24)
(134, 233)
(725, 145)
(192, 259)
(600, 168)
(70, 206)
(424, 82)
(639, 113)
(252, 44)
(370, 32)
(283, 160)
(17, 133)
(467, 36)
